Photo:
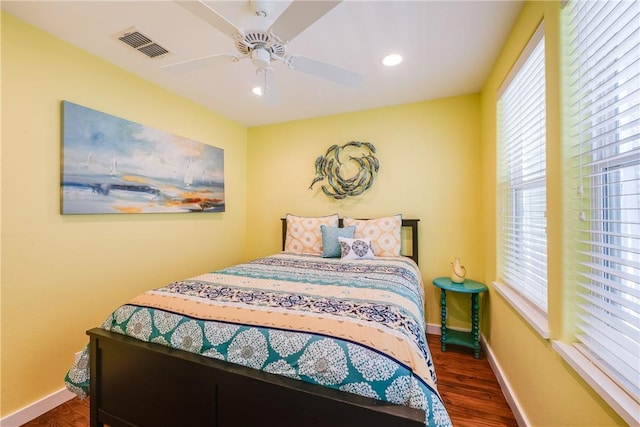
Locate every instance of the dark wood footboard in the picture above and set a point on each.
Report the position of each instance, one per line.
(134, 383)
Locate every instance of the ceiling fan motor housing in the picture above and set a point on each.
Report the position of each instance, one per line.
(260, 46)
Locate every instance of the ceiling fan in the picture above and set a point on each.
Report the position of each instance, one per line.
(264, 47)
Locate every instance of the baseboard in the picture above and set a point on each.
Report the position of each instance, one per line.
(36, 409)
(433, 329)
(521, 419)
(518, 413)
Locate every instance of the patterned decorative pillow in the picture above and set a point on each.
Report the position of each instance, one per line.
(330, 244)
(385, 233)
(356, 248)
(304, 235)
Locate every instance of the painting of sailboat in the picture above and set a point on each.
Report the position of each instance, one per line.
(112, 165)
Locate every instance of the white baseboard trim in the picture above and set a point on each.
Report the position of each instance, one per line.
(521, 419)
(433, 329)
(518, 413)
(36, 409)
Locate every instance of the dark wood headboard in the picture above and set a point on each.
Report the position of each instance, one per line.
(411, 224)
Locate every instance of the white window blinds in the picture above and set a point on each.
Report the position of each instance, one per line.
(522, 195)
(603, 116)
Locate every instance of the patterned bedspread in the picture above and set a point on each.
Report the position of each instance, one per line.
(355, 326)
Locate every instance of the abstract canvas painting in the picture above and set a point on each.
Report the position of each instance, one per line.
(112, 165)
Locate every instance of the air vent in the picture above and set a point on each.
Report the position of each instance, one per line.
(153, 50)
(143, 44)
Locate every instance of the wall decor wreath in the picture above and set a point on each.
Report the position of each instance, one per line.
(347, 174)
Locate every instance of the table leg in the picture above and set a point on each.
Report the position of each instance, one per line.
(443, 320)
(475, 326)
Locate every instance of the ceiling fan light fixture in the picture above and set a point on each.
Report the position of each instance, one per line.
(260, 58)
(391, 60)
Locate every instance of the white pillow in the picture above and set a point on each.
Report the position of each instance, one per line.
(356, 248)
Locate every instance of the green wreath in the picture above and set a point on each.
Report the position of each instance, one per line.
(329, 166)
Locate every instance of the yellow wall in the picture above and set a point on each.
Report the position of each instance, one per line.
(437, 164)
(429, 169)
(549, 391)
(61, 274)
(1, 218)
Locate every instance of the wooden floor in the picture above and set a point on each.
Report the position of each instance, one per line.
(468, 387)
(74, 413)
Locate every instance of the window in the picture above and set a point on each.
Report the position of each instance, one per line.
(522, 195)
(602, 119)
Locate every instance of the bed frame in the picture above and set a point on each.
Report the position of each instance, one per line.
(134, 383)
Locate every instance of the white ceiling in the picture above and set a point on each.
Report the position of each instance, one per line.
(449, 48)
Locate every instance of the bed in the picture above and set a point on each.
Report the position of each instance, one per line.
(291, 339)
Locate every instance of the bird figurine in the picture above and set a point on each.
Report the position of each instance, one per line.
(457, 271)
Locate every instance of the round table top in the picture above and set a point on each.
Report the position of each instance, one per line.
(468, 286)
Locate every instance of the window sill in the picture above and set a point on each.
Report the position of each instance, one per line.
(537, 321)
(626, 406)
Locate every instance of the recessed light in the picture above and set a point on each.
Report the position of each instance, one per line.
(257, 91)
(392, 60)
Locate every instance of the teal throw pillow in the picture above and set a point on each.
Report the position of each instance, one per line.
(330, 244)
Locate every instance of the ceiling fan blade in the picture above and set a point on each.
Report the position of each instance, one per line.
(300, 15)
(198, 63)
(209, 15)
(325, 71)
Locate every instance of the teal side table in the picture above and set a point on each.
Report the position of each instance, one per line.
(449, 336)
